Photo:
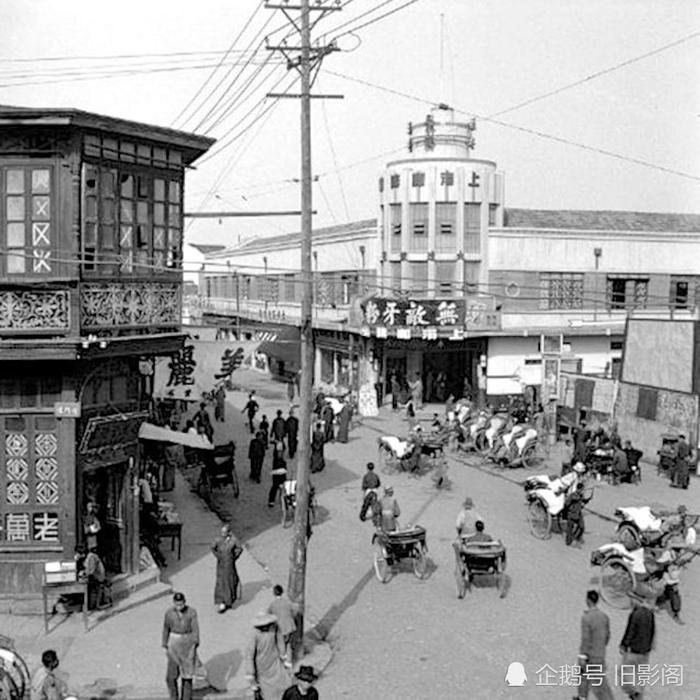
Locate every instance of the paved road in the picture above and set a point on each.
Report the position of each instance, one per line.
(414, 639)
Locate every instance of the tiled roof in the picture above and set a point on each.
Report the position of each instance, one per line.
(601, 220)
(286, 239)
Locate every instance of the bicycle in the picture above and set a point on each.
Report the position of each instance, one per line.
(287, 499)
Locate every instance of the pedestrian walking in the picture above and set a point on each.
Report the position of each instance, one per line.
(681, 469)
(291, 426)
(395, 389)
(279, 428)
(318, 461)
(303, 688)
(226, 549)
(671, 580)
(417, 391)
(264, 430)
(256, 455)
(285, 612)
(344, 422)
(595, 635)
(265, 660)
(637, 643)
(250, 409)
(290, 390)
(96, 580)
(180, 641)
(575, 526)
(46, 683)
(279, 476)
(327, 416)
(220, 405)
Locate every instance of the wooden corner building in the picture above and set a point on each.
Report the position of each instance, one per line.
(91, 218)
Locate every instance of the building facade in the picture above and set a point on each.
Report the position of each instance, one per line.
(495, 299)
(90, 290)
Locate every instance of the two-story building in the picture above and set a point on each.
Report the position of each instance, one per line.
(460, 285)
(90, 292)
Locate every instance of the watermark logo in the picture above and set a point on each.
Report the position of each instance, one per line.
(515, 675)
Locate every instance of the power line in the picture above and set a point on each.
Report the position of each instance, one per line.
(193, 99)
(374, 20)
(533, 132)
(335, 159)
(598, 74)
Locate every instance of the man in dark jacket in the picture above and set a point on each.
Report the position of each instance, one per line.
(595, 635)
(575, 526)
(633, 457)
(637, 643)
(278, 429)
(620, 467)
(256, 455)
(291, 426)
(681, 469)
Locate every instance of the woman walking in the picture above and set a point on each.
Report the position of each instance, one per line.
(265, 660)
(226, 549)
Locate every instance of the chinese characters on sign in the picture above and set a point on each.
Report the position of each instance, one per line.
(624, 675)
(427, 319)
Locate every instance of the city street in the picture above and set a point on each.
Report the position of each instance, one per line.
(415, 639)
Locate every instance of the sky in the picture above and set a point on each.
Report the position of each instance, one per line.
(156, 62)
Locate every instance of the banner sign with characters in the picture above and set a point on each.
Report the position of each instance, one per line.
(428, 319)
(198, 368)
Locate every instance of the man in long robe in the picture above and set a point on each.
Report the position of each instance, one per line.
(292, 432)
(318, 461)
(265, 658)
(344, 422)
(180, 641)
(226, 549)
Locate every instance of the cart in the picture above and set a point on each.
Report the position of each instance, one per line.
(479, 559)
(14, 675)
(392, 547)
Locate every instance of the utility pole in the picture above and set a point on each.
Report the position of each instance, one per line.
(307, 61)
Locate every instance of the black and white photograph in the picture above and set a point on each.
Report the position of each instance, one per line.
(349, 349)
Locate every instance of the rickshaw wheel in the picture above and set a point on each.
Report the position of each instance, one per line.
(501, 577)
(234, 484)
(420, 563)
(628, 535)
(616, 581)
(482, 445)
(540, 520)
(460, 574)
(381, 566)
(531, 457)
(287, 517)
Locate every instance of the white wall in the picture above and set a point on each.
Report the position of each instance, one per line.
(335, 254)
(507, 372)
(622, 251)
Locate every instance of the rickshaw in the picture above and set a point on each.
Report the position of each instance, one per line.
(391, 547)
(218, 470)
(288, 503)
(622, 571)
(479, 559)
(15, 679)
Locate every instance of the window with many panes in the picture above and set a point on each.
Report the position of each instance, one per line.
(446, 227)
(29, 480)
(395, 221)
(472, 227)
(132, 221)
(418, 225)
(28, 219)
(626, 293)
(561, 290)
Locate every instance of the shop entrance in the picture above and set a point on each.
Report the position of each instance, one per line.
(450, 371)
(108, 488)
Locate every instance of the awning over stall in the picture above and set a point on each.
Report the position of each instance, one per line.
(148, 431)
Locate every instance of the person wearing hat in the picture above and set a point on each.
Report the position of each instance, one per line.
(389, 509)
(265, 659)
(575, 526)
(638, 641)
(467, 519)
(180, 641)
(303, 688)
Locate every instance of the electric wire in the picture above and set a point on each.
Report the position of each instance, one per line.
(335, 159)
(532, 132)
(211, 75)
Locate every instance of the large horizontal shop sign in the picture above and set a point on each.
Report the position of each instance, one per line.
(427, 319)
